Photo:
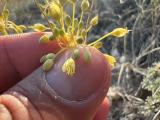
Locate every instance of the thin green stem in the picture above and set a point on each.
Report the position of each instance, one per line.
(89, 28)
(100, 39)
(81, 16)
(62, 19)
(73, 16)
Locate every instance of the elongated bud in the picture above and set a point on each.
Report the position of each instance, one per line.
(84, 33)
(110, 59)
(44, 39)
(51, 56)
(81, 25)
(22, 27)
(39, 27)
(48, 64)
(76, 23)
(94, 21)
(76, 54)
(85, 5)
(98, 45)
(120, 32)
(68, 20)
(87, 56)
(5, 14)
(54, 11)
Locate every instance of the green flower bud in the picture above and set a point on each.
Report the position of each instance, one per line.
(84, 33)
(94, 21)
(80, 40)
(85, 5)
(48, 64)
(61, 32)
(81, 25)
(76, 23)
(68, 20)
(22, 27)
(76, 54)
(39, 27)
(51, 56)
(44, 39)
(87, 56)
(5, 14)
(54, 11)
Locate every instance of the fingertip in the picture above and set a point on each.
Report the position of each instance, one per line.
(20, 55)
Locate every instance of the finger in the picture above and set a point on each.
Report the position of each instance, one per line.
(103, 110)
(56, 96)
(20, 55)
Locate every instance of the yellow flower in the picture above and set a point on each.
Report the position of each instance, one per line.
(119, 32)
(110, 59)
(69, 67)
(55, 11)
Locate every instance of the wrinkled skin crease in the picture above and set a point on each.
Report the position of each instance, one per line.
(35, 99)
(49, 105)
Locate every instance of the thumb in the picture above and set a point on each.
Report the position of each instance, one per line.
(55, 96)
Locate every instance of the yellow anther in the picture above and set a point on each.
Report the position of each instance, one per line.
(69, 67)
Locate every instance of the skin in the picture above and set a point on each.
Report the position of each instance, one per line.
(27, 93)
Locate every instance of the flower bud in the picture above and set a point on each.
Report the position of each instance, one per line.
(80, 40)
(98, 45)
(87, 56)
(44, 39)
(85, 5)
(94, 21)
(51, 56)
(84, 33)
(76, 54)
(120, 32)
(48, 64)
(110, 59)
(76, 23)
(54, 11)
(68, 20)
(81, 25)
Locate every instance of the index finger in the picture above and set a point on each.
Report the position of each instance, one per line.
(20, 55)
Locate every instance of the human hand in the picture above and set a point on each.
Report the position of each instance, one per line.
(32, 98)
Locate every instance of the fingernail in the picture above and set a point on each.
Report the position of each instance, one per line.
(89, 77)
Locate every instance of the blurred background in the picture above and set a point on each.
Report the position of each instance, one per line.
(135, 54)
